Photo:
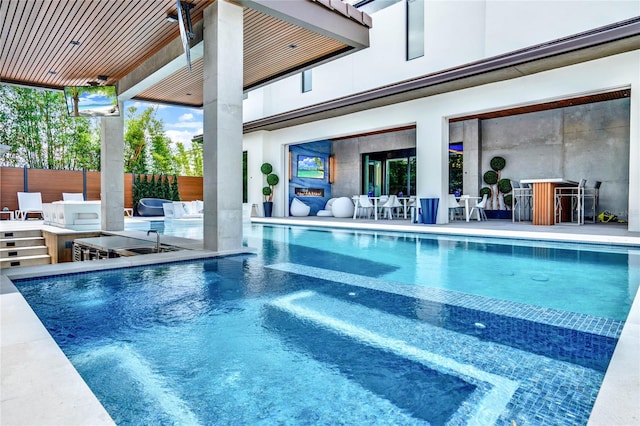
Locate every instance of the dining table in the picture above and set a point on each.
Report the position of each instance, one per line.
(544, 205)
(467, 208)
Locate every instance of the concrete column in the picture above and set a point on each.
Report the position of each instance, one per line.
(433, 161)
(223, 71)
(634, 160)
(472, 160)
(112, 172)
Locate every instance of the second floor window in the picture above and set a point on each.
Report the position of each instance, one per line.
(415, 29)
(306, 81)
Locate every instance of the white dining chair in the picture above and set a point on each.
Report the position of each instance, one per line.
(365, 205)
(479, 208)
(455, 208)
(392, 204)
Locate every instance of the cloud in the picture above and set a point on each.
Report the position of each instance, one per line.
(186, 117)
(183, 136)
(185, 125)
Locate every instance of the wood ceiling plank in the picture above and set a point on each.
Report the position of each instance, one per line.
(7, 12)
(68, 54)
(105, 43)
(117, 36)
(19, 16)
(39, 60)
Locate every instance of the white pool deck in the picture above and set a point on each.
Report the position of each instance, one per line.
(39, 386)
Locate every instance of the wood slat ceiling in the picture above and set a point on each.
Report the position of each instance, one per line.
(115, 37)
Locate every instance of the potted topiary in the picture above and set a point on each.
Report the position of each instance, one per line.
(267, 191)
(499, 200)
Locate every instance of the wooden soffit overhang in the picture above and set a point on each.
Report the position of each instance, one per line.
(53, 43)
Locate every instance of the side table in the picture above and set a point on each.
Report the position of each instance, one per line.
(7, 213)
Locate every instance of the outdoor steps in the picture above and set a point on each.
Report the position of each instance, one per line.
(23, 248)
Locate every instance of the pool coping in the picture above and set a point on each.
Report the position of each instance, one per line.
(40, 386)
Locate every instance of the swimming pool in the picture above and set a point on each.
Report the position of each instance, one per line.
(318, 329)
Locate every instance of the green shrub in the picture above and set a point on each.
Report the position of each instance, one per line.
(490, 177)
(504, 186)
(272, 181)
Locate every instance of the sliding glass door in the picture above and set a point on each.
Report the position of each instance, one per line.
(390, 172)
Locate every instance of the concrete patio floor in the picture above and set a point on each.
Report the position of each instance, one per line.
(40, 386)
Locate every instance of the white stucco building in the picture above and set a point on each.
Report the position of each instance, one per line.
(526, 62)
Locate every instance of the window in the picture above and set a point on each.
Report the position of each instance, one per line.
(245, 196)
(415, 29)
(306, 81)
(455, 167)
(389, 172)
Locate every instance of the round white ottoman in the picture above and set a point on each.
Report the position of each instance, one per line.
(342, 207)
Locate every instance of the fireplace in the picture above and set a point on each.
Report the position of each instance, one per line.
(309, 192)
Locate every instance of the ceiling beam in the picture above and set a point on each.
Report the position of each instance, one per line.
(167, 61)
(335, 24)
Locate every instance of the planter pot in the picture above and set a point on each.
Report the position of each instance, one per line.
(429, 210)
(498, 214)
(268, 208)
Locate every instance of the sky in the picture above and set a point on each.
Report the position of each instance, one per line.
(180, 123)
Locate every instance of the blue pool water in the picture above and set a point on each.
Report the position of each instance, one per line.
(326, 327)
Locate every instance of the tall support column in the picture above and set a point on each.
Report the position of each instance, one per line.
(112, 172)
(433, 166)
(472, 163)
(222, 139)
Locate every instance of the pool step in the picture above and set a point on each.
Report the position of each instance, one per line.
(13, 252)
(20, 234)
(23, 248)
(21, 242)
(44, 259)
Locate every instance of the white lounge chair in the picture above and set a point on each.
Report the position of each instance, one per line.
(327, 211)
(29, 202)
(72, 196)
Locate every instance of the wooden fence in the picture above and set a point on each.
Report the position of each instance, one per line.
(52, 183)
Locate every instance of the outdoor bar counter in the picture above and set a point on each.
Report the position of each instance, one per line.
(544, 198)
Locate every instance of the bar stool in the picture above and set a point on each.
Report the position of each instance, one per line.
(521, 201)
(573, 196)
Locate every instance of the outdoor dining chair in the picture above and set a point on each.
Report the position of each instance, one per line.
(455, 208)
(392, 204)
(479, 208)
(365, 206)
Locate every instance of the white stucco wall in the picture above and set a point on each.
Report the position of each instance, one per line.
(430, 116)
(456, 33)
